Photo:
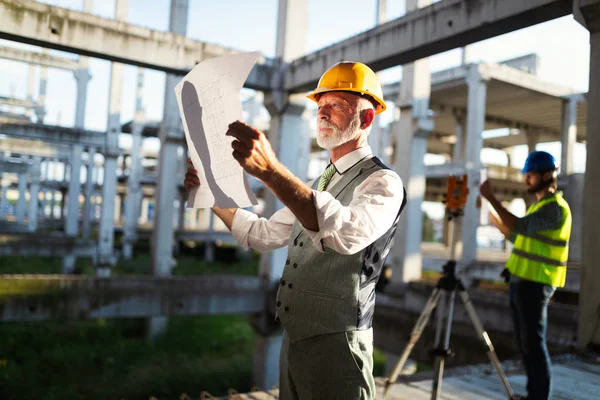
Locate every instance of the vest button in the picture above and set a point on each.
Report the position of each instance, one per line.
(278, 303)
(276, 319)
(287, 262)
(282, 282)
(287, 308)
(295, 265)
(301, 244)
(290, 285)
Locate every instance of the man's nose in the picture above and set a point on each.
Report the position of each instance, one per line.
(323, 114)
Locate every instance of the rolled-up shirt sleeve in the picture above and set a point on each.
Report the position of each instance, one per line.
(262, 234)
(372, 211)
(548, 217)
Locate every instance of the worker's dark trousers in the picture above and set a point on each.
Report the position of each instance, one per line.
(529, 308)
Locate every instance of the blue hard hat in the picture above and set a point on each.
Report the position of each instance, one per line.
(539, 161)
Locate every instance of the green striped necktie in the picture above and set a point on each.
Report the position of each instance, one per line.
(326, 177)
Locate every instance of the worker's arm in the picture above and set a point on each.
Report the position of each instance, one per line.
(254, 153)
(506, 217)
(247, 228)
(226, 215)
(498, 224)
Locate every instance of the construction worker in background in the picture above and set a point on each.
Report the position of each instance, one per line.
(338, 230)
(537, 265)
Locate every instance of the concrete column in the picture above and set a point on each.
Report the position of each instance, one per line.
(52, 203)
(43, 213)
(377, 137)
(568, 135)
(181, 210)
(287, 122)
(458, 154)
(118, 209)
(34, 189)
(20, 212)
(3, 202)
(458, 150)
(209, 245)
(171, 136)
(477, 89)
(144, 211)
(106, 257)
(89, 187)
(40, 111)
(465, 56)
(587, 12)
(30, 87)
(63, 198)
(289, 126)
(411, 131)
(533, 138)
(266, 360)
(72, 221)
(134, 189)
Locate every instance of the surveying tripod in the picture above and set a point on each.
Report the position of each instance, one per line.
(445, 292)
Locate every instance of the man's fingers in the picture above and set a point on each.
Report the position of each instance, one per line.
(240, 147)
(242, 132)
(192, 170)
(192, 179)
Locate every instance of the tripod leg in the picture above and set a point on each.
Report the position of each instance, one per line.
(441, 358)
(415, 335)
(486, 340)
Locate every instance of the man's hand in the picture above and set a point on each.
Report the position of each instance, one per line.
(252, 150)
(486, 190)
(191, 177)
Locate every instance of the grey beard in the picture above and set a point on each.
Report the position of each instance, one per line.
(338, 137)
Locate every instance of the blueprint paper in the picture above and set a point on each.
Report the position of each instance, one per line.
(209, 100)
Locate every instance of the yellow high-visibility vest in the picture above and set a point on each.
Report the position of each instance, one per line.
(543, 256)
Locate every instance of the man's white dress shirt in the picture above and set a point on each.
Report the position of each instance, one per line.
(345, 229)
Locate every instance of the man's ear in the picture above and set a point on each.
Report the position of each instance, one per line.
(367, 118)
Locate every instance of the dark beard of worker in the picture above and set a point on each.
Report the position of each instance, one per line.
(544, 183)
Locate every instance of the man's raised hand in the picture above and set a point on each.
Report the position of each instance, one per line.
(191, 177)
(252, 150)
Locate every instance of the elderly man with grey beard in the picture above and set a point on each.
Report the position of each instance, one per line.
(338, 230)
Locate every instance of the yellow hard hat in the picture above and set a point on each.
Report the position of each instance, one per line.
(349, 76)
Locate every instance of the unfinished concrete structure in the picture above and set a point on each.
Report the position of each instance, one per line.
(464, 100)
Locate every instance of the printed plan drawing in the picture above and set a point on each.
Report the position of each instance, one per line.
(209, 100)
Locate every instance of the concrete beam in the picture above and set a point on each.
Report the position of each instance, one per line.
(506, 72)
(77, 32)
(14, 167)
(33, 148)
(440, 27)
(68, 297)
(36, 58)
(51, 134)
(12, 102)
(445, 170)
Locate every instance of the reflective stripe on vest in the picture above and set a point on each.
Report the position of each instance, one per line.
(542, 257)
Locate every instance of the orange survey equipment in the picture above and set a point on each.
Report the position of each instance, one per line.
(456, 195)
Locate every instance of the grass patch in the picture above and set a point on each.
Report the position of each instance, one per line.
(111, 359)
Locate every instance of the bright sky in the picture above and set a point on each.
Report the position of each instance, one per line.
(562, 44)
